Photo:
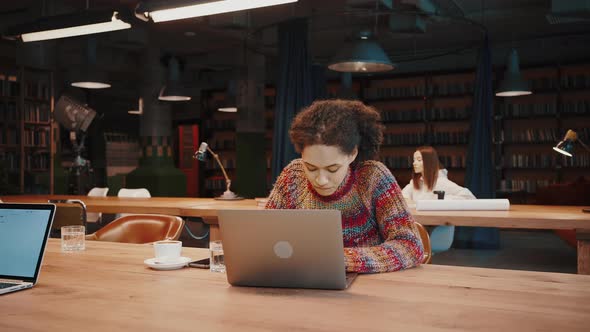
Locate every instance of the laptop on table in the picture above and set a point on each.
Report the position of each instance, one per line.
(24, 229)
(284, 248)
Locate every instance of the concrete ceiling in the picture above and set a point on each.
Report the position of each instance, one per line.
(215, 42)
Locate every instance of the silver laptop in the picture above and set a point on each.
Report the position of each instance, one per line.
(24, 229)
(284, 248)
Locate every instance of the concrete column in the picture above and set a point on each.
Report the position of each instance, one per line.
(156, 170)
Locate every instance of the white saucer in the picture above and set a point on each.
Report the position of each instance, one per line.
(173, 265)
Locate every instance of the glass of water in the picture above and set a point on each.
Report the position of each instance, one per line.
(217, 264)
(73, 238)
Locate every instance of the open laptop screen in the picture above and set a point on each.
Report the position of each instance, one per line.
(24, 229)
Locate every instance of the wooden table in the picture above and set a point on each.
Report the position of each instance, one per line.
(107, 288)
(519, 216)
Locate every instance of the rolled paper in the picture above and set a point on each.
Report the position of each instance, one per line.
(465, 205)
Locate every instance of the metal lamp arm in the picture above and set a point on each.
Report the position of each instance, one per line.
(227, 180)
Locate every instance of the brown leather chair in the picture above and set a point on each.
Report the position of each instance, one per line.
(425, 242)
(140, 228)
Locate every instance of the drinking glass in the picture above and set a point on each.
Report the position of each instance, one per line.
(73, 238)
(217, 263)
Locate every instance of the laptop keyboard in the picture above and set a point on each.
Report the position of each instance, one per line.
(6, 285)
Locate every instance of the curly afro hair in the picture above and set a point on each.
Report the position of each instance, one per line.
(347, 124)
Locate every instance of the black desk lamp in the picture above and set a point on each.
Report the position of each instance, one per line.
(566, 147)
(201, 155)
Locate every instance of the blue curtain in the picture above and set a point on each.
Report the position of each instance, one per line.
(479, 177)
(294, 89)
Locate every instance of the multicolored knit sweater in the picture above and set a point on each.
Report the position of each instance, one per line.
(378, 231)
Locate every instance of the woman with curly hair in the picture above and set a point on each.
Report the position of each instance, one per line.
(338, 141)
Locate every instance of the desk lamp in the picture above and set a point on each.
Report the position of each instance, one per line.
(201, 155)
(566, 147)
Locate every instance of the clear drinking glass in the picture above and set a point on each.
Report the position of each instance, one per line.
(217, 264)
(73, 238)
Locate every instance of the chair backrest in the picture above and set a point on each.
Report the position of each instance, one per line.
(139, 192)
(425, 242)
(140, 228)
(96, 192)
(124, 192)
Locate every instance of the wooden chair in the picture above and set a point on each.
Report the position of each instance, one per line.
(68, 212)
(140, 228)
(425, 242)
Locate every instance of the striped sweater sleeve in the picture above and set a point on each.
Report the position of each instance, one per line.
(284, 191)
(402, 247)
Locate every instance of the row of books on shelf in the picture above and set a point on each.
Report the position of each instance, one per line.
(531, 135)
(402, 115)
(37, 89)
(527, 185)
(435, 113)
(222, 144)
(38, 161)
(228, 163)
(416, 138)
(9, 85)
(215, 183)
(453, 161)
(578, 160)
(579, 81)
(544, 83)
(11, 160)
(35, 112)
(220, 124)
(38, 137)
(451, 88)
(9, 136)
(395, 92)
(526, 110)
(420, 90)
(576, 106)
(528, 160)
(8, 112)
(121, 150)
(449, 137)
(394, 162)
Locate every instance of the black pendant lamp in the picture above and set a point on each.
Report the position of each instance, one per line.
(513, 84)
(90, 76)
(173, 90)
(363, 55)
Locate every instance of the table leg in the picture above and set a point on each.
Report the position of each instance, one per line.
(583, 237)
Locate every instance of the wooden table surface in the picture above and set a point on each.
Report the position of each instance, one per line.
(519, 216)
(107, 288)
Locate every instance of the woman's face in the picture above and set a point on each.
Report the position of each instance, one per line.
(418, 163)
(326, 167)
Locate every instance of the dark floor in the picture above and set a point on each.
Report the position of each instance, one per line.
(519, 250)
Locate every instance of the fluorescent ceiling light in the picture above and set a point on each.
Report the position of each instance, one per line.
(62, 26)
(91, 85)
(228, 109)
(188, 9)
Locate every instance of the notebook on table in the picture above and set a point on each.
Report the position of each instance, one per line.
(284, 248)
(24, 229)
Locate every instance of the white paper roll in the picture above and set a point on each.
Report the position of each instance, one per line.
(457, 205)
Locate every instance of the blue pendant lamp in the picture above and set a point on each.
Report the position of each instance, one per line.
(173, 90)
(513, 83)
(364, 55)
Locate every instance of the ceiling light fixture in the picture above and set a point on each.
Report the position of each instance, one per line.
(90, 76)
(363, 56)
(181, 9)
(513, 84)
(173, 89)
(69, 25)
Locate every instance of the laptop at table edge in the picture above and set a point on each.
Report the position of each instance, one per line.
(22, 283)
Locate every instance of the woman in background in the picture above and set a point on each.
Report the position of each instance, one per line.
(338, 140)
(427, 177)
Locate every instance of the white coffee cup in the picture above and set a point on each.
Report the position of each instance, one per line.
(167, 251)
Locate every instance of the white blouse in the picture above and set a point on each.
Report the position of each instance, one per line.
(452, 190)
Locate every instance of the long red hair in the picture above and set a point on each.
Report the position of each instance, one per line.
(430, 169)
